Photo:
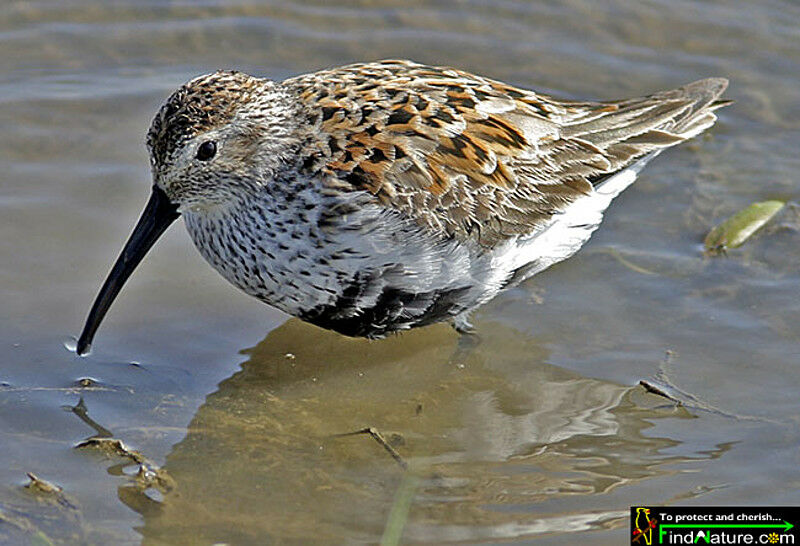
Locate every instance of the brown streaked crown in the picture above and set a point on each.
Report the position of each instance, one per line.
(198, 106)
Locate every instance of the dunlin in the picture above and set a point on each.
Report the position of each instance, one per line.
(383, 196)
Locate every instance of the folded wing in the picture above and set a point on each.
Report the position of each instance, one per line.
(477, 159)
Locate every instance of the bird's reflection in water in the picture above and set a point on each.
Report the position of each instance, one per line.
(506, 445)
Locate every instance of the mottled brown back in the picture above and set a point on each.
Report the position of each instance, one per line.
(475, 158)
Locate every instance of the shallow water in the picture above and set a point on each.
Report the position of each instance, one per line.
(538, 433)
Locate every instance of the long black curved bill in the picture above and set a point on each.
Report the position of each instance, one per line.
(155, 219)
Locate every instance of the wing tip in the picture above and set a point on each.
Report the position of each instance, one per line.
(707, 92)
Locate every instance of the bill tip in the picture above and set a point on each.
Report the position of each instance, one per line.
(79, 346)
(83, 347)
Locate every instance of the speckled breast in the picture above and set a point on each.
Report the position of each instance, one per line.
(351, 267)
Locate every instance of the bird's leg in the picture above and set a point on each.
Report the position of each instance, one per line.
(378, 437)
(468, 340)
(462, 324)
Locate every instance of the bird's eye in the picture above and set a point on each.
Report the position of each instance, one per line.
(206, 150)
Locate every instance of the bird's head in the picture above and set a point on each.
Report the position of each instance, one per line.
(217, 139)
(218, 136)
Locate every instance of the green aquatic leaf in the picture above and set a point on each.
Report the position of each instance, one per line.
(399, 512)
(737, 229)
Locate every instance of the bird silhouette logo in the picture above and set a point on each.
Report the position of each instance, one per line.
(643, 527)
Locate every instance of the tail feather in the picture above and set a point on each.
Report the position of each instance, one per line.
(629, 129)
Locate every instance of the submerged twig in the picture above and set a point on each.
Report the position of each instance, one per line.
(616, 254)
(661, 385)
(653, 389)
(381, 440)
(49, 490)
(149, 474)
(82, 412)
